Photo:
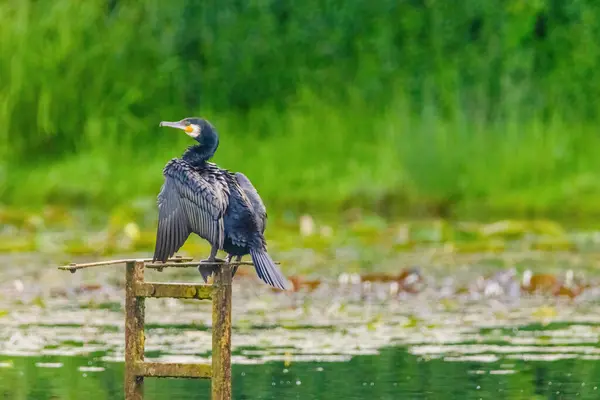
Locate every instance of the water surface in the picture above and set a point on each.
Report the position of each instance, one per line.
(457, 325)
(394, 373)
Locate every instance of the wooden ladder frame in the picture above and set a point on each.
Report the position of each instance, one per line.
(137, 290)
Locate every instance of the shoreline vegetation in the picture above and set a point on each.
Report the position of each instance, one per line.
(400, 109)
(414, 173)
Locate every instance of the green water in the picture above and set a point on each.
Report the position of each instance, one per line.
(393, 374)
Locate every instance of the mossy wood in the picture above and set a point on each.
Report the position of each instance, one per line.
(137, 290)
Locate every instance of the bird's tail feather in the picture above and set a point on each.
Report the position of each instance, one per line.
(267, 270)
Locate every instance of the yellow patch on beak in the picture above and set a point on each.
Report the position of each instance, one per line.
(189, 129)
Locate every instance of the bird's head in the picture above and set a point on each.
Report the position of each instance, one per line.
(202, 131)
(193, 127)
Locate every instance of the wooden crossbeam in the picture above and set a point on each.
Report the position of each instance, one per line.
(174, 290)
(73, 267)
(173, 370)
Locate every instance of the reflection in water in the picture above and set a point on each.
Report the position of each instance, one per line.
(393, 374)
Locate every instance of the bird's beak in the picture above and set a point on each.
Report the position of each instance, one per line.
(177, 124)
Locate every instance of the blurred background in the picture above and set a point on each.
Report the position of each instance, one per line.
(429, 167)
(390, 105)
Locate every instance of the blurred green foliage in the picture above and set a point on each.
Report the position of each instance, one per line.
(387, 104)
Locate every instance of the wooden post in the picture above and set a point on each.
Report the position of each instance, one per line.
(134, 331)
(221, 334)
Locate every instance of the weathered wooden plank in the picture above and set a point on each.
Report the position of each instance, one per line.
(173, 370)
(74, 267)
(221, 334)
(134, 331)
(174, 290)
(177, 262)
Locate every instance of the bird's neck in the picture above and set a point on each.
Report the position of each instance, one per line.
(198, 154)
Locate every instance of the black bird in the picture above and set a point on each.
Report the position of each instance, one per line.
(217, 205)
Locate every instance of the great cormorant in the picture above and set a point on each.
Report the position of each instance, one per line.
(217, 205)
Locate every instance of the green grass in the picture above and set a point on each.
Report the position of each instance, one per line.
(399, 107)
(318, 158)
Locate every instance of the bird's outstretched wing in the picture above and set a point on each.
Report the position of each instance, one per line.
(189, 202)
(254, 198)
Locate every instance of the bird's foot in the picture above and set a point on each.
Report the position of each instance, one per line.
(207, 270)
